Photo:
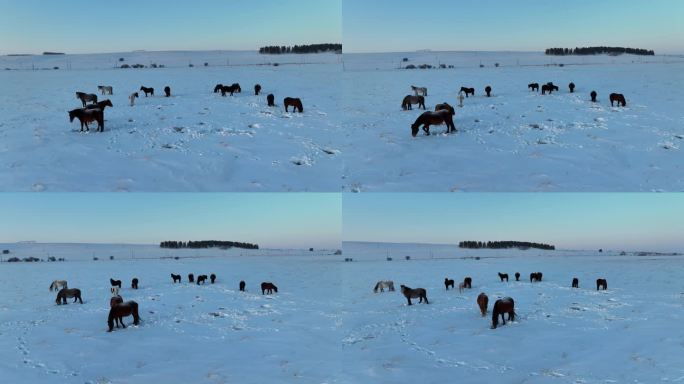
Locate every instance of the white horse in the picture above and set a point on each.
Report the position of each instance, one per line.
(114, 291)
(132, 98)
(57, 285)
(461, 287)
(106, 89)
(420, 91)
(381, 285)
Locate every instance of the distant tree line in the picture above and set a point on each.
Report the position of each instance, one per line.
(504, 244)
(311, 48)
(598, 51)
(207, 244)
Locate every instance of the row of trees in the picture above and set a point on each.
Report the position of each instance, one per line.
(311, 48)
(598, 51)
(504, 244)
(207, 244)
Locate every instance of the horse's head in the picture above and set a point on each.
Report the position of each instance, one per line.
(415, 127)
(72, 115)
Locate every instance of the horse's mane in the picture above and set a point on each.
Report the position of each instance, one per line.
(377, 286)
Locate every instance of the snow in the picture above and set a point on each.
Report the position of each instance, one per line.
(325, 325)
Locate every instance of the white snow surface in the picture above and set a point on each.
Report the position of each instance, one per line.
(325, 325)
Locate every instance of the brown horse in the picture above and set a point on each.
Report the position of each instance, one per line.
(619, 98)
(482, 302)
(86, 116)
(593, 96)
(100, 105)
(601, 283)
(269, 288)
(488, 91)
(86, 98)
(533, 87)
(68, 293)
(147, 91)
(119, 311)
(134, 283)
(409, 100)
(501, 307)
(212, 277)
(433, 118)
(468, 91)
(270, 99)
(294, 103)
(242, 285)
(445, 107)
(535, 276)
(448, 282)
(575, 282)
(468, 282)
(419, 293)
(115, 300)
(503, 276)
(176, 278)
(548, 88)
(257, 89)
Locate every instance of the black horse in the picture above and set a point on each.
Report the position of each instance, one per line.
(533, 87)
(572, 87)
(212, 277)
(601, 283)
(147, 90)
(593, 96)
(191, 278)
(257, 89)
(575, 282)
(115, 283)
(468, 91)
(548, 88)
(501, 307)
(176, 278)
(517, 276)
(619, 98)
(242, 285)
(167, 91)
(271, 100)
(448, 282)
(134, 283)
(488, 91)
(503, 276)
(201, 279)
(535, 276)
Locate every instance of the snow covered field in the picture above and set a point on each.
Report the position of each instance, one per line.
(193, 141)
(326, 325)
(516, 140)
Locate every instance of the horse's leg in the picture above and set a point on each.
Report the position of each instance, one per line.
(409, 300)
(426, 300)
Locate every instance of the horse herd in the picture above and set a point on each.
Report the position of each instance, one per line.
(93, 111)
(501, 306)
(439, 117)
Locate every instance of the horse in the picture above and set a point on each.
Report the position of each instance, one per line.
(167, 91)
(445, 107)
(212, 277)
(468, 282)
(601, 283)
(257, 89)
(119, 311)
(468, 91)
(191, 277)
(267, 287)
(176, 278)
(482, 302)
(593, 95)
(270, 99)
(619, 98)
(132, 98)
(86, 116)
(533, 87)
(115, 283)
(409, 100)
(381, 285)
(461, 287)
(501, 307)
(448, 282)
(58, 284)
(488, 91)
(548, 88)
(535, 276)
(503, 276)
(68, 293)
(232, 89)
(575, 282)
(147, 91)
(517, 276)
(101, 105)
(410, 293)
(106, 89)
(86, 97)
(294, 103)
(114, 291)
(572, 87)
(242, 285)
(237, 88)
(419, 91)
(201, 279)
(134, 283)
(433, 118)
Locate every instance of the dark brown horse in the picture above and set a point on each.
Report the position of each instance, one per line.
(533, 87)
(68, 293)
(517, 276)
(148, 91)
(242, 285)
(294, 103)
(601, 283)
(134, 283)
(575, 282)
(119, 311)
(417, 293)
(535, 276)
(269, 288)
(257, 89)
(115, 300)
(468, 91)
(409, 100)
(433, 118)
(468, 282)
(593, 96)
(212, 277)
(501, 307)
(100, 105)
(448, 282)
(167, 91)
(201, 279)
(270, 99)
(572, 87)
(619, 98)
(191, 277)
(115, 283)
(548, 88)
(503, 276)
(482, 302)
(488, 91)
(86, 116)
(176, 278)
(86, 98)
(445, 107)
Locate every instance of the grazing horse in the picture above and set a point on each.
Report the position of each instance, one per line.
(132, 98)
(548, 88)
(270, 99)
(468, 282)
(114, 291)
(86, 98)
(267, 287)
(503, 276)
(167, 91)
(517, 276)
(68, 293)
(445, 107)
(448, 282)
(106, 89)
(242, 285)
(601, 283)
(101, 105)
(572, 87)
(482, 302)
(86, 116)
(535, 276)
(115, 283)
(619, 98)
(433, 118)
(501, 307)
(58, 284)
(409, 100)
(191, 277)
(237, 88)
(575, 282)
(418, 293)
(176, 278)
(593, 96)
(294, 103)
(232, 89)
(121, 310)
(533, 87)
(201, 279)
(488, 91)
(257, 89)
(468, 91)
(148, 91)
(134, 283)
(381, 285)
(212, 277)
(419, 91)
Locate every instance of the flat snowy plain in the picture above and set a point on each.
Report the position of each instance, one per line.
(325, 325)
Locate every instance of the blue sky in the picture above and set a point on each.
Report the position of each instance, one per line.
(520, 25)
(79, 26)
(279, 220)
(570, 221)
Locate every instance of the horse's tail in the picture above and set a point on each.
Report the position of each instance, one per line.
(134, 311)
